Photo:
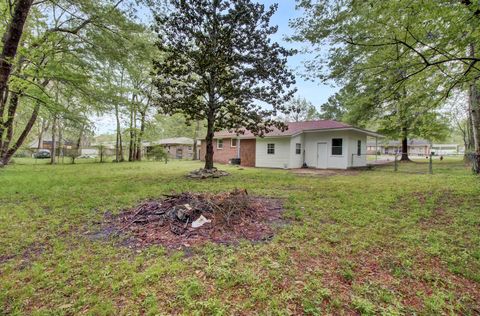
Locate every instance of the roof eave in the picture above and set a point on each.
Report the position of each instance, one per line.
(350, 128)
(361, 130)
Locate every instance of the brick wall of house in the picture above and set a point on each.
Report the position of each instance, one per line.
(179, 151)
(223, 156)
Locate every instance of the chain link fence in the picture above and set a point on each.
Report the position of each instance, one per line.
(428, 164)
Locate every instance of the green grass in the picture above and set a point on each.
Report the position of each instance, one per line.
(373, 243)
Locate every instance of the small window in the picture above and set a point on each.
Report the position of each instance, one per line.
(337, 146)
(298, 148)
(233, 143)
(359, 148)
(271, 149)
(219, 143)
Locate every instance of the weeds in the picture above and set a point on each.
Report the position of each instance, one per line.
(369, 243)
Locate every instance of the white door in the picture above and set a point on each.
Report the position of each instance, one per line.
(322, 155)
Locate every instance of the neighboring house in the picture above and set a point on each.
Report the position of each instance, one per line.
(89, 152)
(416, 147)
(103, 148)
(316, 144)
(177, 148)
(47, 143)
(447, 149)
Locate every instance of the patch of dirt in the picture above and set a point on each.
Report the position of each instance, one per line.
(173, 222)
(30, 252)
(376, 268)
(443, 200)
(325, 172)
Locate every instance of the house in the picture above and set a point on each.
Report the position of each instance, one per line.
(416, 147)
(47, 143)
(316, 144)
(447, 149)
(176, 148)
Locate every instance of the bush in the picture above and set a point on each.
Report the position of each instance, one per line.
(158, 153)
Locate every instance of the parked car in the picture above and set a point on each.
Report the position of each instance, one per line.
(42, 154)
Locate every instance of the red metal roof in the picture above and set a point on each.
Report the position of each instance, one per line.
(293, 128)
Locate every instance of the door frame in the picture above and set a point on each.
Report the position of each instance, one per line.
(326, 155)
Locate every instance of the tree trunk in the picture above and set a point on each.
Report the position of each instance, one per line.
(469, 131)
(140, 135)
(404, 149)
(475, 120)
(6, 158)
(3, 102)
(54, 145)
(61, 143)
(43, 130)
(132, 133)
(209, 143)
(11, 40)
(118, 146)
(78, 146)
(195, 136)
(135, 136)
(8, 126)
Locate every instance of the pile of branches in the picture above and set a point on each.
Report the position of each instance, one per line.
(187, 217)
(207, 173)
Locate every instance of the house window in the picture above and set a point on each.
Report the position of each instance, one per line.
(359, 148)
(233, 143)
(337, 146)
(271, 149)
(219, 143)
(298, 148)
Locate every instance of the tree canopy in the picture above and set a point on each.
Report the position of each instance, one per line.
(220, 65)
(395, 60)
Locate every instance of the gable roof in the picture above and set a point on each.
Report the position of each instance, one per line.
(173, 141)
(294, 128)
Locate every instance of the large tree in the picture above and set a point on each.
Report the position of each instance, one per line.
(304, 110)
(388, 47)
(11, 41)
(220, 65)
(58, 58)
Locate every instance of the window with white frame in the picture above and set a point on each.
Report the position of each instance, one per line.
(271, 149)
(298, 148)
(219, 143)
(337, 146)
(233, 142)
(359, 148)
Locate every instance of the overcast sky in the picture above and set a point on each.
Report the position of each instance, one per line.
(315, 92)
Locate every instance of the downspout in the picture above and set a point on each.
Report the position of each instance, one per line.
(238, 148)
(304, 165)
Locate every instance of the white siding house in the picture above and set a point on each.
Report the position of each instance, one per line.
(313, 144)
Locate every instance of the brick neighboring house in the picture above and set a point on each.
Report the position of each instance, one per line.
(176, 148)
(318, 144)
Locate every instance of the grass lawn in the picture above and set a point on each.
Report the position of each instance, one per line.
(373, 242)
